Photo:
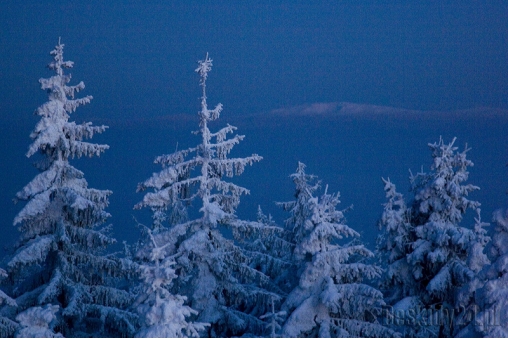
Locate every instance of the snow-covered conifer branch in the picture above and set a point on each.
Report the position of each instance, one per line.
(37, 322)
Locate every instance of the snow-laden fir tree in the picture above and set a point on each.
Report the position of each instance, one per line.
(492, 321)
(305, 186)
(489, 317)
(492, 298)
(397, 282)
(393, 245)
(331, 298)
(274, 320)
(59, 257)
(212, 271)
(162, 314)
(270, 250)
(443, 257)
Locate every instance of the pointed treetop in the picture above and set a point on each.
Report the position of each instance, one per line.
(59, 62)
(204, 67)
(303, 180)
(301, 168)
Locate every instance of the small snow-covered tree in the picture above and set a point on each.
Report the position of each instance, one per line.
(270, 249)
(331, 298)
(305, 186)
(59, 257)
(162, 314)
(275, 319)
(493, 298)
(489, 317)
(212, 271)
(298, 208)
(394, 244)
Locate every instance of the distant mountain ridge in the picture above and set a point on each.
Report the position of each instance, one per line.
(319, 109)
(349, 108)
(338, 108)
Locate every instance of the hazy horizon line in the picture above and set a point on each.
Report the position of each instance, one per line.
(316, 109)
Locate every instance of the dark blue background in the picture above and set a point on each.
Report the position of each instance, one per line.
(137, 60)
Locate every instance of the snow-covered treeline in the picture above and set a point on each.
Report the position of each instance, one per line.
(198, 270)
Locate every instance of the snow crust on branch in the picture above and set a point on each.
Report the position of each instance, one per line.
(37, 322)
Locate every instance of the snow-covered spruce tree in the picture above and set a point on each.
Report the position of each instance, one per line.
(492, 321)
(330, 299)
(59, 257)
(212, 271)
(270, 249)
(490, 316)
(298, 208)
(284, 243)
(162, 314)
(394, 244)
(444, 257)
(274, 320)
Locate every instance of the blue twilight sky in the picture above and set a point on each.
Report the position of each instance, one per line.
(137, 60)
(137, 57)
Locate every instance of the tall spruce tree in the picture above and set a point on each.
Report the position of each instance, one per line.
(59, 259)
(212, 271)
(331, 298)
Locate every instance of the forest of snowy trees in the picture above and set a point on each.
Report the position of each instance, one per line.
(198, 270)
